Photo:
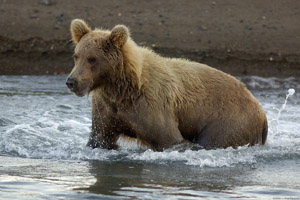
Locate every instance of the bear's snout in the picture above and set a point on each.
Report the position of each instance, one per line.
(72, 84)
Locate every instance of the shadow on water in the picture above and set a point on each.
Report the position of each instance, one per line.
(139, 179)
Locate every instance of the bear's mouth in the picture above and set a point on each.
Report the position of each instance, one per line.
(82, 91)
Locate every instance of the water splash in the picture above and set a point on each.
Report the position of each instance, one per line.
(56, 125)
(276, 121)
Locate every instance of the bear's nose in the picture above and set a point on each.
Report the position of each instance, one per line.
(72, 83)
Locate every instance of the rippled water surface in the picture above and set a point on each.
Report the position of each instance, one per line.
(44, 129)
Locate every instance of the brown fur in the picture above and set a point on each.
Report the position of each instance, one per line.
(160, 101)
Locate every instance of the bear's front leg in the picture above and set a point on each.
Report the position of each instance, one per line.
(92, 142)
(98, 139)
(105, 126)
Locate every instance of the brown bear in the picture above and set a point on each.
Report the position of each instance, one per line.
(157, 101)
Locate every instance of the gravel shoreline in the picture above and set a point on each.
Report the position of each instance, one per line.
(239, 37)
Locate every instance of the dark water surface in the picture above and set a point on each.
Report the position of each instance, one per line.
(44, 129)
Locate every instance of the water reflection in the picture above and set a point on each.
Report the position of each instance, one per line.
(150, 179)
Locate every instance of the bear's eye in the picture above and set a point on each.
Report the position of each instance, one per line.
(75, 57)
(91, 60)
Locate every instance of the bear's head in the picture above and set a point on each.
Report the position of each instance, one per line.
(98, 54)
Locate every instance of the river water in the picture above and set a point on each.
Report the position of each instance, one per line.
(44, 129)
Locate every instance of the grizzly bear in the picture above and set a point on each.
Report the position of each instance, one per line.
(158, 101)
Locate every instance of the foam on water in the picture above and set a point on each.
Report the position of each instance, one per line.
(41, 119)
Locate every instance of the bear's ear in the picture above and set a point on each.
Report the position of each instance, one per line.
(119, 35)
(78, 29)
